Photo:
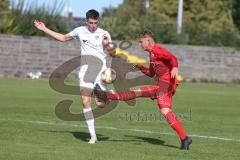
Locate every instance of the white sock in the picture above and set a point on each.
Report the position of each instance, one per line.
(89, 120)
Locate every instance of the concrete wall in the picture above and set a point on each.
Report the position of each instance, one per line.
(20, 55)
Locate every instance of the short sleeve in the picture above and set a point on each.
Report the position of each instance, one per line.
(109, 37)
(73, 33)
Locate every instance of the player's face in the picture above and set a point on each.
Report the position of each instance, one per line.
(92, 24)
(144, 43)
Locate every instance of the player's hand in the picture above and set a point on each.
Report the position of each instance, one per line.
(110, 47)
(174, 72)
(105, 40)
(111, 51)
(39, 25)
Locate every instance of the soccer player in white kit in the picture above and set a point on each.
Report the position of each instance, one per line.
(92, 43)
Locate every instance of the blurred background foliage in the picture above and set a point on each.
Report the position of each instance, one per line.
(17, 18)
(205, 22)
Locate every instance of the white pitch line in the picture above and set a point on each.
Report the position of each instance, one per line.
(120, 129)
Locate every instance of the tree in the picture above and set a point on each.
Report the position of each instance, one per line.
(204, 21)
(236, 12)
(122, 22)
(19, 19)
(4, 4)
(210, 23)
(209, 15)
(4, 9)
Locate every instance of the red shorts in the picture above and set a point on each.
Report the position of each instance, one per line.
(163, 93)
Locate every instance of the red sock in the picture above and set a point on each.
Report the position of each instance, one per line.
(148, 91)
(175, 124)
(122, 96)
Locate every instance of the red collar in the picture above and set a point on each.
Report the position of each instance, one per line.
(150, 50)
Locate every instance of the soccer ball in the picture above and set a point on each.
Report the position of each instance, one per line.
(108, 76)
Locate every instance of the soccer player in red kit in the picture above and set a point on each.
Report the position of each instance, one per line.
(164, 66)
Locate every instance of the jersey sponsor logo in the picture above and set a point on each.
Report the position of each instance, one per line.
(97, 37)
(90, 44)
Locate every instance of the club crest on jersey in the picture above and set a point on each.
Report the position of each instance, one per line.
(161, 94)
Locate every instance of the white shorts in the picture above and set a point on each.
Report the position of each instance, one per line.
(90, 76)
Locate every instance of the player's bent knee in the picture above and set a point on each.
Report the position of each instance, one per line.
(100, 104)
(165, 111)
(86, 101)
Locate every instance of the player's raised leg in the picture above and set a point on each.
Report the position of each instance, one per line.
(145, 91)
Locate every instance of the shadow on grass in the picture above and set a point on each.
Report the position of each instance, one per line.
(139, 139)
(84, 136)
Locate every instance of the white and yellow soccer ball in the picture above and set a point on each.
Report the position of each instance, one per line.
(108, 76)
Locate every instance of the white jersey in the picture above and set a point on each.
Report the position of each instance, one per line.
(91, 43)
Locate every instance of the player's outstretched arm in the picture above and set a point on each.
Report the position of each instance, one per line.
(41, 26)
(147, 71)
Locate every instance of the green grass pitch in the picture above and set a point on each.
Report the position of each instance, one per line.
(30, 130)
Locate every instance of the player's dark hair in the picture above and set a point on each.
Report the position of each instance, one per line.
(146, 33)
(93, 14)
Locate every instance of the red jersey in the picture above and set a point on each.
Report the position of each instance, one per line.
(161, 64)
